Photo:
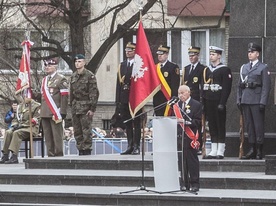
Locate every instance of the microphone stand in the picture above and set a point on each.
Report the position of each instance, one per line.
(142, 185)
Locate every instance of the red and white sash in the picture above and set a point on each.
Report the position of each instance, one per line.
(50, 102)
(189, 132)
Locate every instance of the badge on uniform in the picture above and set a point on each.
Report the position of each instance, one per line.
(51, 90)
(166, 74)
(195, 79)
(187, 107)
(65, 84)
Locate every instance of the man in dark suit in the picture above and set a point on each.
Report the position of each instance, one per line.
(217, 82)
(192, 73)
(191, 112)
(192, 77)
(53, 107)
(169, 76)
(252, 97)
(133, 127)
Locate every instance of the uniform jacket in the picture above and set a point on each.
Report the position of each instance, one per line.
(193, 80)
(259, 75)
(194, 110)
(170, 71)
(221, 76)
(22, 116)
(123, 83)
(84, 92)
(57, 83)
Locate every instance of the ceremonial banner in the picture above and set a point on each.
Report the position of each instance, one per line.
(24, 77)
(144, 79)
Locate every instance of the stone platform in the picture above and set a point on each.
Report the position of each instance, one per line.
(100, 180)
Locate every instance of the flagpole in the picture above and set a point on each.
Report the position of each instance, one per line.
(29, 90)
(143, 53)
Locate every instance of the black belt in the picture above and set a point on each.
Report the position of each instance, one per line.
(251, 85)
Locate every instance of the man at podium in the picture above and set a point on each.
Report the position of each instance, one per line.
(189, 110)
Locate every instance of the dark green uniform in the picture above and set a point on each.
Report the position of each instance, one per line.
(20, 128)
(84, 96)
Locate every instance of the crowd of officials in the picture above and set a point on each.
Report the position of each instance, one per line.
(203, 92)
(200, 91)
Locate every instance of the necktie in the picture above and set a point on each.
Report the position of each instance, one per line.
(183, 105)
(128, 64)
(49, 78)
(192, 68)
(251, 64)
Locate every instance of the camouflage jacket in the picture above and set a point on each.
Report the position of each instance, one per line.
(84, 92)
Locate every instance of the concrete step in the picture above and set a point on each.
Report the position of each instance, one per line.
(134, 162)
(91, 195)
(208, 179)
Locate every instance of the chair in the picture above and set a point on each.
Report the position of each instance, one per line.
(35, 139)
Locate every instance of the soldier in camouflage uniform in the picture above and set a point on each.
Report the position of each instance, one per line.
(84, 96)
(20, 129)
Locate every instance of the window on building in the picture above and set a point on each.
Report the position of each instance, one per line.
(106, 124)
(206, 38)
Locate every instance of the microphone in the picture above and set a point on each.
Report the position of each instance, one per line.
(173, 100)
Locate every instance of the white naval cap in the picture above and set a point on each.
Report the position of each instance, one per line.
(215, 49)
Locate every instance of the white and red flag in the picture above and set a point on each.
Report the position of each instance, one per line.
(144, 79)
(24, 77)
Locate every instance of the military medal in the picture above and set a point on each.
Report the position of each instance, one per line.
(195, 79)
(166, 74)
(187, 107)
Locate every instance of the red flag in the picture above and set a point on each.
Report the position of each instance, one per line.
(24, 77)
(144, 80)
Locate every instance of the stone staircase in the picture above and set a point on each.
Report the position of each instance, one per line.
(107, 180)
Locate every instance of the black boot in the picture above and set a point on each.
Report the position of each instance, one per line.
(136, 150)
(259, 155)
(252, 152)
(4, 158)
(87, 152)
(129, 132)
(129, 150)
(12, 160)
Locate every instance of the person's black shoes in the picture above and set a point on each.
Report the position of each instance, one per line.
(136, 151)
(4, 158)
(194, 189)
(128, 151)
(12, 160)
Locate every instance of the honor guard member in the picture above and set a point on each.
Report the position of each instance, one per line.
(191, 112)
(133, 127)
(54, 104)
(217, 82)
(169, 75)
(84, 96)
(20, 129)
(252, 97)
(192, 77)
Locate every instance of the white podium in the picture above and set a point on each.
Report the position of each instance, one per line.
(165, 164)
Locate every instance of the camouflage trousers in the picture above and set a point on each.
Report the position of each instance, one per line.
(82, 131)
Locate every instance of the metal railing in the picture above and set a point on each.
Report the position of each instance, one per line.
(99, 146)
